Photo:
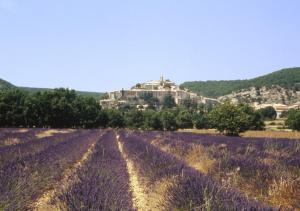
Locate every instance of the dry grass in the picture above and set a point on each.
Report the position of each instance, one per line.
(251, 133)
(51, 132)
(272, 134)
(285, 192)
(197, 157)
(200, 131)
(156, 192)
(22, 130)
(11, 141)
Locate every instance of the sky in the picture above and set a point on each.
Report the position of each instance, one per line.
(96, 45)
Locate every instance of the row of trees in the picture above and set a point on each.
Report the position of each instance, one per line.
(63, 108)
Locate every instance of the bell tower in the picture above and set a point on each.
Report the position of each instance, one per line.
(161, 78)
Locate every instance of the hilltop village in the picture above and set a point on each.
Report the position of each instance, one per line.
(157, 89)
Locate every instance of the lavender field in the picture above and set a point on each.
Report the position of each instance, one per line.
(43, 169)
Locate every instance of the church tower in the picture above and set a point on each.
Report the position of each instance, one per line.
(161, 78)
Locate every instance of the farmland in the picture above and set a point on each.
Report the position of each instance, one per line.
(43, 169)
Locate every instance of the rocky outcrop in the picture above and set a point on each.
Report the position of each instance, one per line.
(272, 94)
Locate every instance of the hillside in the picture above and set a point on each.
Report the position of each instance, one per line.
(286, 78)
(6, 85)
(264, 95)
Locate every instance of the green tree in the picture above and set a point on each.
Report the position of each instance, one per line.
(200, 120)
(293, 119)
(86, 111)
(62, 113)
(115, 118)
(229, 119)
(268, 113)
(255, 120)
(168, 120)
(189, 104)
(12, 106)
(184, 119)
(285, 114)
(152, 120)
(168, 101)
(134, 118)
(102, 119)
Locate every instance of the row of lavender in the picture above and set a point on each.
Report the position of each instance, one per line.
(284, 150)
(102, 183)
(192, 190)
(31, 146)
(35, 167)
(268, 169)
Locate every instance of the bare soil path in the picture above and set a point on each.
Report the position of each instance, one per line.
(139, 197)
(146, 197)
(44, 202)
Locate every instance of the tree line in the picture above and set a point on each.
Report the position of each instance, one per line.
(63, 108)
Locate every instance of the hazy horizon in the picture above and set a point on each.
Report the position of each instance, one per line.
(101, 46)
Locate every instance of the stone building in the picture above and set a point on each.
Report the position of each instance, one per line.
(157, 88)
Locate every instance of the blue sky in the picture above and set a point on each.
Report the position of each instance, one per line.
(99, 45)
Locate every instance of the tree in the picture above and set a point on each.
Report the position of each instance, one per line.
(255, 120)
(152, 120)
(168, 120)
(86, 112)
(200, 120)
(36, 111)
(285, 114)
(169, 101)
(134, 118)
(58, 108)
(268, 113)
(189, 104)
(12, 106)
(293, 119)
(115, 118)
(184, 119)
(62, 111)
(229, 119)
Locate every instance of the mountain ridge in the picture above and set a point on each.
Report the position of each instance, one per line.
(7, 85)
(287, 78)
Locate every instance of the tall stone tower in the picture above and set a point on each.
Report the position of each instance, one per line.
(161, 78)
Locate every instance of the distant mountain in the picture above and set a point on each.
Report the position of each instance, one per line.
(286, 78)
(6, 85)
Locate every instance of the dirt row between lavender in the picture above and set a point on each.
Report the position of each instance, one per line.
(145, 198)
(45, 202)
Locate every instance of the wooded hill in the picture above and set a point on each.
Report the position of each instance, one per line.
(6, 85)
(286, 78)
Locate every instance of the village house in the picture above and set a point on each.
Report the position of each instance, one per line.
(157, 88)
